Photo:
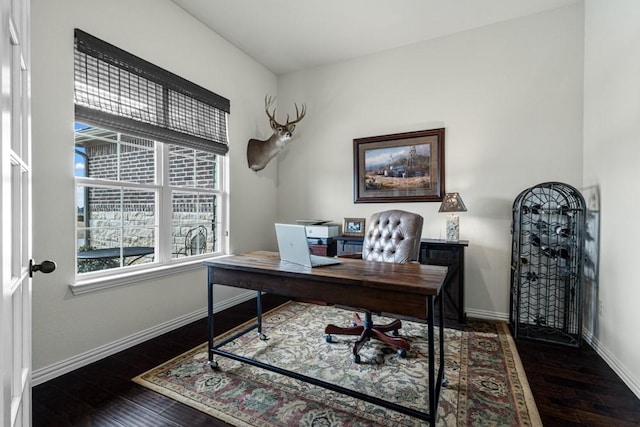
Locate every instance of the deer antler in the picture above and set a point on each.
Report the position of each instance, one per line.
(299, 115)
(268, 102)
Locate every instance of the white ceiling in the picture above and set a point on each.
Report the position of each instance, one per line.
(290, 35)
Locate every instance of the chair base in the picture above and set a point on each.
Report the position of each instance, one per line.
(366, 330)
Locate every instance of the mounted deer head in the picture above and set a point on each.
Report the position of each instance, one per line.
(259, 152)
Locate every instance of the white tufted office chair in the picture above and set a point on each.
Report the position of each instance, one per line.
(392, 236)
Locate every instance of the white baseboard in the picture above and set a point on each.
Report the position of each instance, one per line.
(618, 368)
(489, 315)
(50, 372)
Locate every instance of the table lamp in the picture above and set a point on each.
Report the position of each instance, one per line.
(451, 203)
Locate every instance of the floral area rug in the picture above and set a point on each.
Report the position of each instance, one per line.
(486, 383)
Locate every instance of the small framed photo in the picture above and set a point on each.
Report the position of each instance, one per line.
(353, 227)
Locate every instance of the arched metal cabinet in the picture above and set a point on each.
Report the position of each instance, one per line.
(547, 264)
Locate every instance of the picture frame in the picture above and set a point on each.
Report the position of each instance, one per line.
(402, 167)
(353, 227)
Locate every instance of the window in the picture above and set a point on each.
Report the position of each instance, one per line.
(149, 162)
(141, 201)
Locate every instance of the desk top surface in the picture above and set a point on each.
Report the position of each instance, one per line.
(410, 277)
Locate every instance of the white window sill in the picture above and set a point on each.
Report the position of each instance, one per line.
(105, 282)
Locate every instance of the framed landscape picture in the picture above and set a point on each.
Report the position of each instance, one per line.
(403, 167)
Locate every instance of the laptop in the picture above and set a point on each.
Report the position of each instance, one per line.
(293, 247)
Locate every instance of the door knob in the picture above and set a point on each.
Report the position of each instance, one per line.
(45, 267)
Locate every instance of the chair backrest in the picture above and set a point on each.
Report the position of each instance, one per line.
(195, 242)
(393, 236)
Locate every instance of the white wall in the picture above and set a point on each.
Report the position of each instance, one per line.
(611, 155)
(65, 325)
(510, 98)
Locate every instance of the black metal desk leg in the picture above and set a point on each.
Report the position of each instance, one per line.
(444, 382)
(432, 380)
(210, 278)
(259, 316)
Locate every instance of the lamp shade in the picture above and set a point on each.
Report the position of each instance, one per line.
(452, 202)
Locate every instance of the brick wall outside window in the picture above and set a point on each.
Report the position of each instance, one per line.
(106, 207)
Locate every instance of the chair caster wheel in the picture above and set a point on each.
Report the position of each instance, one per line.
(329, 338)
(445, 382)
(402, 353)
(356, 358)
(213, 365)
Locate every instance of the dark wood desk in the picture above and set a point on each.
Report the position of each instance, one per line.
(433, 252)
(403, 289)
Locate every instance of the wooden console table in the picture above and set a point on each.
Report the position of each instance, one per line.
(402, 289)
(450, 254)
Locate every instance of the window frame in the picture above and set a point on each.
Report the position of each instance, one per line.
(164, 264)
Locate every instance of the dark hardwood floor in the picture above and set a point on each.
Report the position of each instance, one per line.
(571, 386)
(575, 387)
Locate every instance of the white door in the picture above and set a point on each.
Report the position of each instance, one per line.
(15, 204)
